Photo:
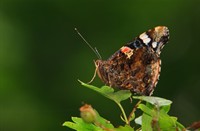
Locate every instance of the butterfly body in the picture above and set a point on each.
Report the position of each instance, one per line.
(136, 66)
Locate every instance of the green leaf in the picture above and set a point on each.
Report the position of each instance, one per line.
(145, 109)
(109, 92)
(166, 122)
(99, 125)
(154, 100)
(146, 122)
(124, 128)
(146, 117)
(70, 125)
(120, 95)
(180, 126)
(155, 118)
(80, 125)
(165, 108)
(103, 122)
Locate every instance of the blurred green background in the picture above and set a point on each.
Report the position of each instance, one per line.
(41, 57)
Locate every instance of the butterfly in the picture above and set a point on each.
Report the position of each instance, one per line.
(135, 66)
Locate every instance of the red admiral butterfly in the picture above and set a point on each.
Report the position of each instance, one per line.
(136, 66)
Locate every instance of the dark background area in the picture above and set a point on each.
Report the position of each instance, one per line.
(41, 57)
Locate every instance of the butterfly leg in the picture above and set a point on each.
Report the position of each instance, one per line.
(95, 73)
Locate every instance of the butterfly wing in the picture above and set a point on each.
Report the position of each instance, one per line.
(136, 66)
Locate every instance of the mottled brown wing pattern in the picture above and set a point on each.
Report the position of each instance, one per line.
(136, 66)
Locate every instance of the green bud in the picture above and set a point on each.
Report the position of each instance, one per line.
(88, 114)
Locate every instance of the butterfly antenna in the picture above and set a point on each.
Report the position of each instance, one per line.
(98, 53)
(94, 50)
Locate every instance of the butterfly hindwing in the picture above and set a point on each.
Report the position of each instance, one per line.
(136, 65)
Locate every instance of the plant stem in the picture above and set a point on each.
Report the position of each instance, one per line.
(133, 111)
(123, 112)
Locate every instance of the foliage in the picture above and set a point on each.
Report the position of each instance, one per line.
(154, 116)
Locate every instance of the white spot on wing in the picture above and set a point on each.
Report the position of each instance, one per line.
(146, 40)
(154, 44)
(143, 36)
